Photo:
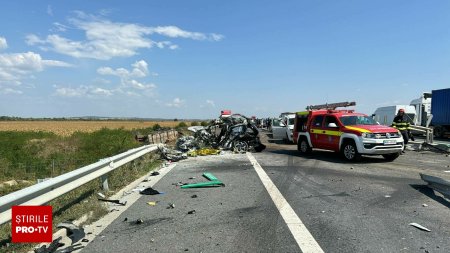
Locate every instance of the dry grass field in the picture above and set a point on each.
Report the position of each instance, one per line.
(66, 128)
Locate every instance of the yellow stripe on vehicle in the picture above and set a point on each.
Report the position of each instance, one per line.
(303, 113)
(326, 132)
(362, 130)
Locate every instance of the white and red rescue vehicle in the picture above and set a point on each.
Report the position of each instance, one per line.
(352, 134)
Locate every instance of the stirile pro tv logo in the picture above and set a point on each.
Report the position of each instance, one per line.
(31, 224)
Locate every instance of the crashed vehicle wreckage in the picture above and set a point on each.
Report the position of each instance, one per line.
(234, 133)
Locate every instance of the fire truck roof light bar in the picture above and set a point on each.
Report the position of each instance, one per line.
(331, 106)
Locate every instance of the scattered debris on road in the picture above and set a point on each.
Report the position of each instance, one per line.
(138, 221)
(424, 205)
(171, 206)
(438, 184)
(74, 232)
(213, 181)
(52, 247)
(115, 201)
(154, 173)
(149, 191)
(152, 203)
(419, 227)
(235, 133)
(194, 196)
(191, 212)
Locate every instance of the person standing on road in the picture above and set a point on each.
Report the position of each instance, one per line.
(400, 122)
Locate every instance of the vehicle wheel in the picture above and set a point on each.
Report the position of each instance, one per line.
(350, 152)
(438, 132)
(391, 157)
(304, 147)
(240, 147)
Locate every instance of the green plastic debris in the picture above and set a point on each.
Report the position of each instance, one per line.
(213, 181)
(203, 184)
(210, 176)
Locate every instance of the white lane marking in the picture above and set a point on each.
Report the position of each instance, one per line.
(302, 236)
(447, 171)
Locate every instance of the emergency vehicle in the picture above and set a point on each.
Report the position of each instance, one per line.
(352, 134)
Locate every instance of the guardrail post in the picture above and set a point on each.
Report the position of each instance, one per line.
(104, 180)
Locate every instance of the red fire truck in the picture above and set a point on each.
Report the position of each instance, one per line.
(352, 134)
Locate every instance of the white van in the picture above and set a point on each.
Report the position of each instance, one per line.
(385, 115)
(288, 121)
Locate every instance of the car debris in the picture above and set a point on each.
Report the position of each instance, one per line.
(439, 184)
(155, 173)
(115, 201)
(424, 205)
(171, 206)
(71, 248)
(149, 191)
(152, 203)
(101, 195)
(235, 133)
(194, 196)
(139, 221)
(191, 212)
(52, 247)
(419, 227)
(74, 232)
(213, 181)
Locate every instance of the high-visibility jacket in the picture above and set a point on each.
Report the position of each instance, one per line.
(401, 123)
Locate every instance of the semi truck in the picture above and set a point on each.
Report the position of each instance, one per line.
(440, 109)
(434, 106)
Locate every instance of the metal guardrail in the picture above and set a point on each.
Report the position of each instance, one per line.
(46, 191)
(429, 138)
(438, 184)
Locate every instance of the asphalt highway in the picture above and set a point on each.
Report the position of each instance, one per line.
(344, 207)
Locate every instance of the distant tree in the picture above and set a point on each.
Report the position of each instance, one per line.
(204, 123)
(194, 123)
(175, 119)
(181, 124)
(156, 127)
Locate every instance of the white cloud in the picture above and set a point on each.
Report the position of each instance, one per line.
(128, 78)
(176, 32)
(18, 66)
(82, 91)
(105, 39)
(9, 91)
(49, 10)
(210, 103)
(128, 84)
(59, 27)
(3, 43)
(176, 102)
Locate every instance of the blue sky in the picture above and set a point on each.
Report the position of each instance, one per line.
(191, 59)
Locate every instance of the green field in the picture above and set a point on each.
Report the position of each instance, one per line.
(28, 156)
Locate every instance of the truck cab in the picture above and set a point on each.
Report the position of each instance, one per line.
(352, 134)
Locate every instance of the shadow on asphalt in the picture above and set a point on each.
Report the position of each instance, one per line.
(424, 189)
(327, 156)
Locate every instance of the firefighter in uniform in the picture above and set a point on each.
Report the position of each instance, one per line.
(402, 125)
